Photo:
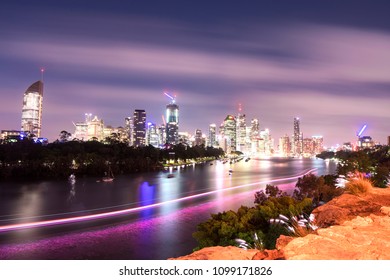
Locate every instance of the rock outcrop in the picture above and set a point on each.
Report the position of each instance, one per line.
(351, 228)
(221, 253)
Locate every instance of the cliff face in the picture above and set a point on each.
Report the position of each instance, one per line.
(352, 228)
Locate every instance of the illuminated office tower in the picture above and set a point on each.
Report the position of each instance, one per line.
(139, 132)
(318, 143)
(129, 128)
(198, 137)
(297, 138)
(255, 129)
(284, 146)
(95, 129)
(172, 119)
(229, 133)
(152, 137)
(308, 147)
(212, 135)
(241, 130)
(265, 144)
(162, 134)
(32, 109)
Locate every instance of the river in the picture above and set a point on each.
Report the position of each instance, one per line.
(138, 216)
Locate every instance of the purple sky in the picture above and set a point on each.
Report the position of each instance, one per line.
(327, 63)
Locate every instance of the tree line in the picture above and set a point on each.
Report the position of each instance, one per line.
(375, 162)
(27, 160)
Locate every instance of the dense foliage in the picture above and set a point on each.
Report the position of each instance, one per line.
(223, 228)
(310, 191)
(29, 160)
(373, 162)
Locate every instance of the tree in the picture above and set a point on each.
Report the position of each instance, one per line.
(270, 191)
(64, 136)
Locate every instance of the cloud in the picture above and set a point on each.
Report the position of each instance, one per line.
(276, 70)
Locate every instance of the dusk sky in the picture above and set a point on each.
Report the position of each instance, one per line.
(327, 62)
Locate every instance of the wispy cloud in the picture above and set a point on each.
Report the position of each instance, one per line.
(278, 70)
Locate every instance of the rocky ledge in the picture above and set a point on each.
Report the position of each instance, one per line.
(351, 228)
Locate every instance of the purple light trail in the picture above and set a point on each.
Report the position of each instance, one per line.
(14, 227)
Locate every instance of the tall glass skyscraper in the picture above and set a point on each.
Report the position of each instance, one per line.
(172, 119)
(212, 135)
(139, 132)
(32, 109)
(230, 133)
(298, 138)
(241, 132)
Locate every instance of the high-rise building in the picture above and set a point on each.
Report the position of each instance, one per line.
(152, 137)
(172, 119)
(297, 138)
(198, 137)
(212, 135)
(265, 143)
(229, 134)
(162, 134)
(185, 139)
(365, 142)
(129, 128)
(284, 146)
(255, 129)
(241, 131)
(32, 109)
(318, 143)
(308, 147)
(139, 133)
(96, 129)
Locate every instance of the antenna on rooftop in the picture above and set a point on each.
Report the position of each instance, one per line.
(42, 71)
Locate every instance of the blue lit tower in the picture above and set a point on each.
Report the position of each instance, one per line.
(32, 109)
(172, 119)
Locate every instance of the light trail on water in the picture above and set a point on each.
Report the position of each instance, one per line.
(53, 222)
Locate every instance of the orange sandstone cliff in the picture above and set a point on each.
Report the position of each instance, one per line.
(351, 228)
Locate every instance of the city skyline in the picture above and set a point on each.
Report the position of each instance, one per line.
(326, 64)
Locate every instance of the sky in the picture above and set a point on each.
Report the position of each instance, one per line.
(326, 62)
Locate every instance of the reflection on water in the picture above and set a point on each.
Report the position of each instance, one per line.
(163, 231)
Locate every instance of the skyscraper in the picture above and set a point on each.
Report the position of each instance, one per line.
(318, 142)
(172, 119)
(298, 138)
(139, 132)
(198, 137)
(152, 136)
(32, 109)
(212, 135)
(229, 133)
(241, 131)
(284, 146)
(255, 129)
(129, 128)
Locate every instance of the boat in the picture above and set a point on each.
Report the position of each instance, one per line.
(171, 175)
(108, 176)
(107, 179)
(72, 179)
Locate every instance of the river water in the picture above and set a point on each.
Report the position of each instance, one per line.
(139, 216)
